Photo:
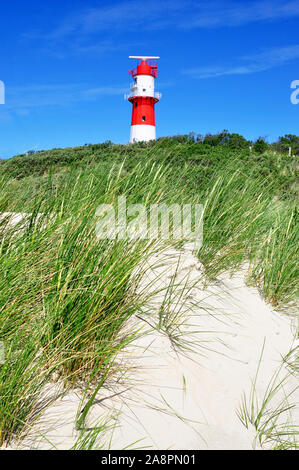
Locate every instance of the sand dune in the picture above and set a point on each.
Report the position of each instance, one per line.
(182, 384)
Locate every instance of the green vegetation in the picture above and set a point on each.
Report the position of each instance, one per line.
(272, 417)
(65, 295)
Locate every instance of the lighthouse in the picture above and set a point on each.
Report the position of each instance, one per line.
(143, 98)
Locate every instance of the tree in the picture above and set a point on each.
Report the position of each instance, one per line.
(260, 146)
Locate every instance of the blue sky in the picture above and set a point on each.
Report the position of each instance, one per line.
(224, 64)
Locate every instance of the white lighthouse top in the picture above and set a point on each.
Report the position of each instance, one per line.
(144, 57)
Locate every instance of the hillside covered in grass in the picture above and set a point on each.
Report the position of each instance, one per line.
(204, 154)
(65, 295)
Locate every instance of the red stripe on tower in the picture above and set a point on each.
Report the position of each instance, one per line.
(143, 98)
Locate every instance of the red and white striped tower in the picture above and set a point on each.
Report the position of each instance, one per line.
(143, 98)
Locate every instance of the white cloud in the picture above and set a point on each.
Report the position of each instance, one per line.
(235, 13)
(23, 98)
(154, 14)
(101, 30)
(259, 62)
(118, 17)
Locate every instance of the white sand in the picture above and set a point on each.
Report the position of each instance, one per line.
(183, 398)
(174, 399)
(14, 217)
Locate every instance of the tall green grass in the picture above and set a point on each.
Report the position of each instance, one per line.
(272, 415)
(65, 295)
(244, 223)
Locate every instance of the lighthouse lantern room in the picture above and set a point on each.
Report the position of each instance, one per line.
(143, 98)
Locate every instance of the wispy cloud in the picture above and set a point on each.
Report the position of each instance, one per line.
(100, 30)
(154, 14)
(235, 13)
(259, 62)
(21, 99)
(117, 17)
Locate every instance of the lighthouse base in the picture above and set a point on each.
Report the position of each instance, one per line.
(142, 133)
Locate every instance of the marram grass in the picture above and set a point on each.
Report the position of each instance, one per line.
(65, 295)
